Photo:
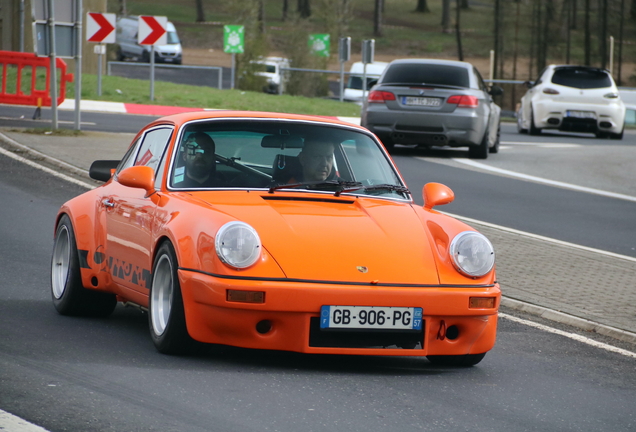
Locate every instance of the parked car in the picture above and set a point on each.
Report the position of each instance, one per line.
(434, 103)
(574, 99)
(216, 224)
(129, 48)
(353, 90)
(271, 69)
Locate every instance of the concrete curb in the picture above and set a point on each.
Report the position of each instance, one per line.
(570, 320)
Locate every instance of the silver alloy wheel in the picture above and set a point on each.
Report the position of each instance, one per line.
(162, 294)
(61, 262)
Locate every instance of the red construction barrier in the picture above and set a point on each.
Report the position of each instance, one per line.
(39, 92)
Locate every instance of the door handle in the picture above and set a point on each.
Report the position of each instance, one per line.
(108, 202)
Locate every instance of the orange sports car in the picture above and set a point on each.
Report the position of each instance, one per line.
(275, 231)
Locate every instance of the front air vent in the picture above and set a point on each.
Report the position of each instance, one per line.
(307, 199)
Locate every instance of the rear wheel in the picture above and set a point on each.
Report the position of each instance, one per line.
(480, 151)
(68, 294)
(533, 129)
(166, 315)
(495, 147)
(466, 360)
(520, 127)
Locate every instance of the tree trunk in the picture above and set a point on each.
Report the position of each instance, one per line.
(261, 16)
(460, 51)
(285, 10)
(422, 6)
(496, 37)
(445, 15)
(304, 8)
(377, 18)
(588, 37)
(200, 13)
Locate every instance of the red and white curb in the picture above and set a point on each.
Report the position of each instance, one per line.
(153, 110)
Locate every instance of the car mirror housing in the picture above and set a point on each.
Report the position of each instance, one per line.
(142, 177)
(102, 170)
(435, 194)
(496, 91)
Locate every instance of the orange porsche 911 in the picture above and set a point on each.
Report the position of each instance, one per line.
(279, 232)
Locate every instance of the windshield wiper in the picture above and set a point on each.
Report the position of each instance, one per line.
(340, 186)
(389, 187)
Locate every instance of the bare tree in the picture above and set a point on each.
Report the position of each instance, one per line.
(588, 37)
(422, 6)
(200, 12)
(458, 34)
(285, 9)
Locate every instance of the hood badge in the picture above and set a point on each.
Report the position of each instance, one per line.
(362, 269)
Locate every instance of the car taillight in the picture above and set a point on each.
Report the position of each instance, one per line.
(378, 96)
(550, 91)
(463, 101)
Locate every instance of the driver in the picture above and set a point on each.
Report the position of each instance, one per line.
(316, 159)
(200, 165)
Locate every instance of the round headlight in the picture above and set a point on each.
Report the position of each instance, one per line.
(473, 255)
(237, 244)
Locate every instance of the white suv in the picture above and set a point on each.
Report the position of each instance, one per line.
(574, 99)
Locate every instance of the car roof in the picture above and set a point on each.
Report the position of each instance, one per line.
(434, 61)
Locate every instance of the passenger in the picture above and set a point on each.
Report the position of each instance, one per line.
(200, 164)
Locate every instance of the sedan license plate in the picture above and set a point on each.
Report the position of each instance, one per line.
(421, 101)
(371, 317)
(581, 114)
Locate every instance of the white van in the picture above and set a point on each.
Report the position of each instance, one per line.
(126, 37)
(270, 68)
(353, 89)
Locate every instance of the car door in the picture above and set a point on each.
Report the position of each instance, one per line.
(129, 216)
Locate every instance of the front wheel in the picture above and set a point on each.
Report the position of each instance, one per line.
(466, 360)
(68, 294)
(166, 315)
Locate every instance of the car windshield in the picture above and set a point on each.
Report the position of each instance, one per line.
(581, 78)
(411, 73)
(282, 157)
(173, 39)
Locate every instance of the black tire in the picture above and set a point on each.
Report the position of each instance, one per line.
(480, 151)
(466, 360)
(618, 136)
(520, 128)
(68, 294)
(120, 55)
(145, 56)
(166, 315)
(495, 148)
(602, 135)
(533, 129)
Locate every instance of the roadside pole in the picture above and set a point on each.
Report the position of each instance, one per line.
(344, 55)
(78, 63)
(368, 51)
(53, 71)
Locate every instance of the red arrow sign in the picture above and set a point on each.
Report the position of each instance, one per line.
(100, 27)
(151, 30)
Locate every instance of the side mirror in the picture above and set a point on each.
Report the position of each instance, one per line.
(141, 177)
(495, 91)
(435, 194)
(102, 170)
(528, 84)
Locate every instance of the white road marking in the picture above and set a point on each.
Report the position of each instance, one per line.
(11, 423)
(541, 144)
(545, 181)
(47, 121)
(45, 169)
(573, 336)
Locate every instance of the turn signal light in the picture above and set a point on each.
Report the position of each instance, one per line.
(245, 296)
(378, 96)
(481, 302)
(464, 101)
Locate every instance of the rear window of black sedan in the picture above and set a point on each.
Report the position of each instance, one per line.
(419, 73)
(581, 78)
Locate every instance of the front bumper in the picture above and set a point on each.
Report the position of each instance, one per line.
(292, 309)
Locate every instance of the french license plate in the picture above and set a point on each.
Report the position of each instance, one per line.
(581, 114)
(421, 101)
(371, 317)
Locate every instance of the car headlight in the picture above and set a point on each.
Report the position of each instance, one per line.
(472, 253)
(237, 244)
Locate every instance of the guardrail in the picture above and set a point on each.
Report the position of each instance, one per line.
(166, 66)
(32, 86)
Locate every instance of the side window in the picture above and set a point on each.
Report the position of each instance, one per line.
(153, 146)
(480, 81)
(129, 157)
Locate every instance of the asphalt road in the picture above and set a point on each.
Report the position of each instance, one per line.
(104, 374)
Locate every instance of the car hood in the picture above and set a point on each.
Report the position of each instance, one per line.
(344, 239)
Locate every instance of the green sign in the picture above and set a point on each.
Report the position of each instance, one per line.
(319, 44)
(233, 39)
